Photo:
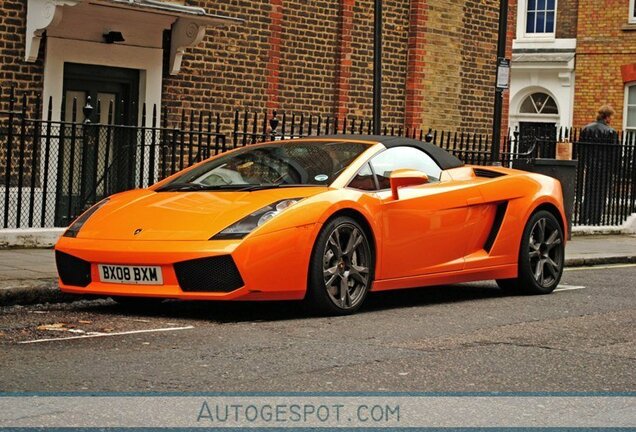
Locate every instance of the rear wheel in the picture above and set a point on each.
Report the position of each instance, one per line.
(541, 257)
(341, 268)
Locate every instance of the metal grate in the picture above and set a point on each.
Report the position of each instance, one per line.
(73, 271)
(210, 274)
(480, 172)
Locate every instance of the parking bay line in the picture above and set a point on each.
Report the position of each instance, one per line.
(565, 287)
(99, 334)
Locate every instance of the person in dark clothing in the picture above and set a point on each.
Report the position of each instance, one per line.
(596, 155)
(602, 124)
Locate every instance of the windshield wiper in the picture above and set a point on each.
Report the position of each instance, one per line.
(188, 187)
(264, 186)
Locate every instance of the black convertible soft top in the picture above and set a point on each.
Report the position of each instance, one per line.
(444, 159)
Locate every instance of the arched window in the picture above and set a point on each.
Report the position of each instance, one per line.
(539, 103)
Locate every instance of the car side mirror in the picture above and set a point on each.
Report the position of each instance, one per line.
(406, 177)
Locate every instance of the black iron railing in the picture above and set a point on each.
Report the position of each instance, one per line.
(51, 170)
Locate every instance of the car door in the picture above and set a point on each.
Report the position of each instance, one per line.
(424, 231)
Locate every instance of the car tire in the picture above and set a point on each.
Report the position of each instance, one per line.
(136, 302)
(541, 257)
(341, 268)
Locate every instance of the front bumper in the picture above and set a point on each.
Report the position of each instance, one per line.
(272, 266)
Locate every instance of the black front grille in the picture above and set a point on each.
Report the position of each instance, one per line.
(73, 271)
(210, 274)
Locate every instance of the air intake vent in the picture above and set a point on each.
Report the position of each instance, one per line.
(480, 172)
(73, 271)
(211, 274)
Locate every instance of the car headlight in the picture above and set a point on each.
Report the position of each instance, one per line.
(250, 222)
(78, 223)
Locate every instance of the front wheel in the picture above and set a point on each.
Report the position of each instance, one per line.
(541, 256)
(341, 268)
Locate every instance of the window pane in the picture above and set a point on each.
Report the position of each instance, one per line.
(550, 5)
(540, 22)
(631, 117)
(541, 5)
(530, 23)
(632, 95)
(550, 106)
(363, 180)
(527, 107)
(531, 5)
(403, 157)
(549, 22)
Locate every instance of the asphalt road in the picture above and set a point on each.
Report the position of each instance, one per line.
(453, 338)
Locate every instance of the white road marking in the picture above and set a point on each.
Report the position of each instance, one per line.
(564, 287)
(99, 334)
(600, 267)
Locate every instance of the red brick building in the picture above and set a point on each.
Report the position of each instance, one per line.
(569, 57)
(290, 55)
(606, 61)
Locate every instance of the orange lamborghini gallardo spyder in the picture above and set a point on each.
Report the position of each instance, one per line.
(325, 219)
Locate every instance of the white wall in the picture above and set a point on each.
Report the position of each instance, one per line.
(557, 82)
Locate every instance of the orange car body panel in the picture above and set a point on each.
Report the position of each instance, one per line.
(432, 234)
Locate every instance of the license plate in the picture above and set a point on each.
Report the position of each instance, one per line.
(142, 275)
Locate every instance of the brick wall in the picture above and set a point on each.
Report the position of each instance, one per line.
(567, 16)
(478, 68)
(605, 43)
(13, 69)
(288, 56)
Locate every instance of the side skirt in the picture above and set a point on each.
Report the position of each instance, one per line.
(507, 271)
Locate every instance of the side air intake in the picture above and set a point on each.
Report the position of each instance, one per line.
(480, 172)
(496, 225)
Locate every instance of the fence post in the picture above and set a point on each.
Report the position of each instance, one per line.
(273, 124)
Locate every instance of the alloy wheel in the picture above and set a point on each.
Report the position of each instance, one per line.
(346, 262)
(545, 252)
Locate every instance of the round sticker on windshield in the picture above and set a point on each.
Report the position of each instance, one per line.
(321, 177)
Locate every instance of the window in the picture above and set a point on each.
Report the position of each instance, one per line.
(539, 103)
(632, 11)
(540, 17)
(630, 108)
(403, 157)
(364, 180)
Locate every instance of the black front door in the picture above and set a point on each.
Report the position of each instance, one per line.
(544, 134)
(96, 159)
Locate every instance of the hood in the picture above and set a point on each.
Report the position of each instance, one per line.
(179, 215)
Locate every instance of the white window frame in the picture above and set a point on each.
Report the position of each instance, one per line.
(522, 21)
(628, 87)
(632, 12)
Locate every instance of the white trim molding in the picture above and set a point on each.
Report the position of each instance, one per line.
(632, 12)
(628, 88)
(42, 15)
(186, 33)
(187, 23)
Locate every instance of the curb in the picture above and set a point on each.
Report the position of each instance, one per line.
(594, 261)
(46, 290)
(40, 291)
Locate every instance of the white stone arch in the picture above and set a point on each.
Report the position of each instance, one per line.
(517, 116)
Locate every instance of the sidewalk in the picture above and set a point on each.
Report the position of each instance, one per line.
(29, 275)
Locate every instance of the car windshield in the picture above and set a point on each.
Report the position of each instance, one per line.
(274, 165)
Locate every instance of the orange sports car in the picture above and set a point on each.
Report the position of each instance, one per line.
(325, 219)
